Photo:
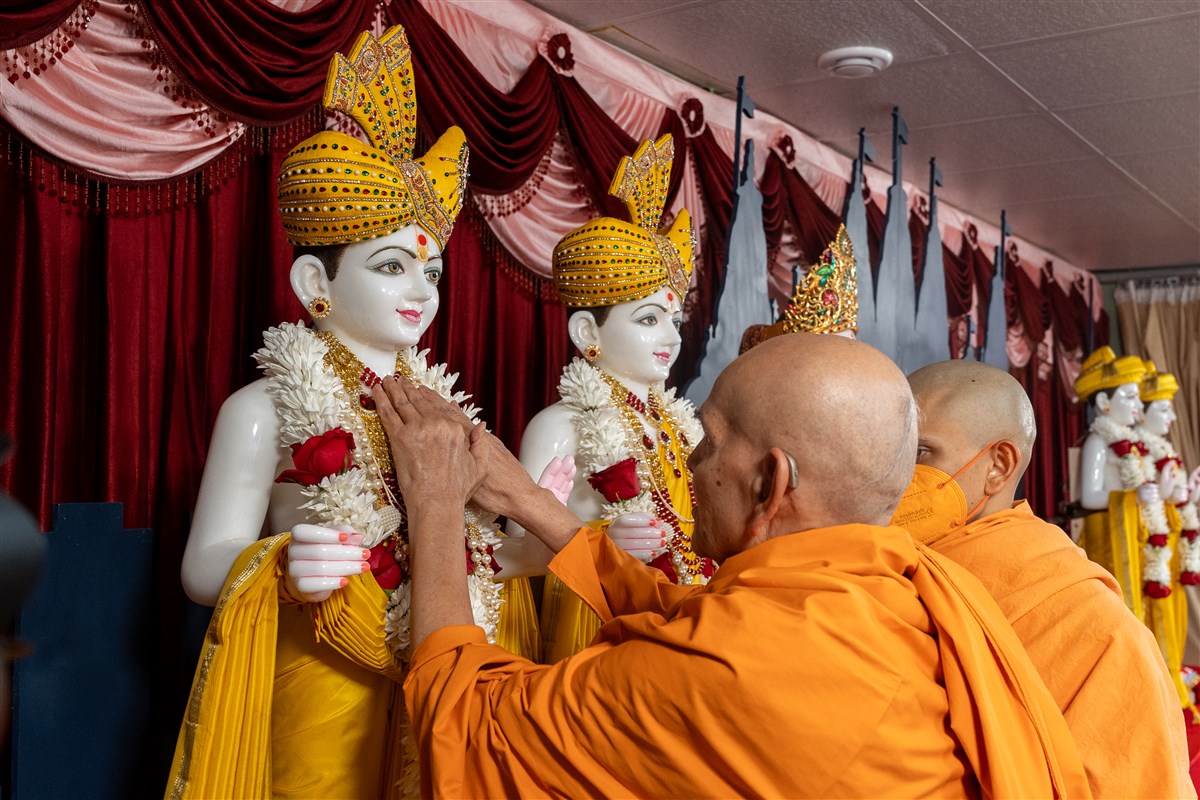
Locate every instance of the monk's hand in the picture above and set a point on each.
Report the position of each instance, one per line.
(430, 450)
(320, 561)
(559, 478)
(640, 535)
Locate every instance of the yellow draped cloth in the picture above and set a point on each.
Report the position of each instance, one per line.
(1115, 540)
(517, 631)
(288, 700)
(568, 625)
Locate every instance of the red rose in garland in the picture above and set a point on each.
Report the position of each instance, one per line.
(384, 566)
(618, 482)
(319, 457)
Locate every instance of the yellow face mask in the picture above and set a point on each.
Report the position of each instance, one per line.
(934, 504)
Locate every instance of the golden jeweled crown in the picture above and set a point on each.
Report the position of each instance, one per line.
(1157, 385)
(334, 189)
(610, 261)
(826, 301)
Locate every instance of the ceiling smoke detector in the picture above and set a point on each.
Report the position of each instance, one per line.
(855, 62)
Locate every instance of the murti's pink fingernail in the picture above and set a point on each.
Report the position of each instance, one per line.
(343, 537)
(344, 583)
(366, 554)
(365, 567)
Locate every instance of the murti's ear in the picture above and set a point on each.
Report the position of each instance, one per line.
(1103, 403)
(309, 279)
(583, 330)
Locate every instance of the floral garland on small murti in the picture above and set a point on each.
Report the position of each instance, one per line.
(1163, 455)
(620, 459)
(1136, 470)
(326, 418)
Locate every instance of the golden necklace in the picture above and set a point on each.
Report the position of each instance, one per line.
(354, 375)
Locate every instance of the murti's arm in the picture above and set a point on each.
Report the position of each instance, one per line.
(234, 493)
(1093, 493)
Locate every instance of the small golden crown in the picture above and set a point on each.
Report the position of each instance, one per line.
(334, 189)
(610, 261)
(826, 301)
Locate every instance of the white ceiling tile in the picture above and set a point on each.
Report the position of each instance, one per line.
(988, 191)
(1140, 126)
(1001, 21)
(995, 143)
(775, 42)
(1112, 232)
(1173, 176)
(930, 92)
(1151, 60)
(589, 15)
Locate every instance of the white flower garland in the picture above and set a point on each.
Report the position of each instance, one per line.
(1135, 470)
(310, 400)
(1189, 550)
(600, 430)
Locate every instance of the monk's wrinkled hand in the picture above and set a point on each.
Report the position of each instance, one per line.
(430, 450)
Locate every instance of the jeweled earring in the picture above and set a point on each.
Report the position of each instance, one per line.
(319, 308)
(591, 352)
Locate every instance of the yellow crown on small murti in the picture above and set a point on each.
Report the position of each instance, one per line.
(610, 261)
(1157, 385)
(1102, 371)
(335, 189)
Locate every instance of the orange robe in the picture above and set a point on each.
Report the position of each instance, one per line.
(1101, 664)
(834, 662)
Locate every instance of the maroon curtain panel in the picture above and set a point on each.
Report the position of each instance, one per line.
(254, 61)
(23, 22)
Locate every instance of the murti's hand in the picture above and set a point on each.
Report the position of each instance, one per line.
(320, 561)
(640, 535)
(1148, 493)
(559, 477)
(431, 453)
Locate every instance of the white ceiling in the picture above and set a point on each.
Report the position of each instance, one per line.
(1080, 117)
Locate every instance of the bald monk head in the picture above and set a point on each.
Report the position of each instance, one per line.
(969, 408)
(803, 431)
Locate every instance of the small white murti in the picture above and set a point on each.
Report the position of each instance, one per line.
(624, 283)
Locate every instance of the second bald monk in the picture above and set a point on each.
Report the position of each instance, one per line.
(829, 656)
(1101, 664)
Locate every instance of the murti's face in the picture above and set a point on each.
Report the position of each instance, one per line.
(639, 341)
(1124, 405)
(385, 293)
(1159, 416)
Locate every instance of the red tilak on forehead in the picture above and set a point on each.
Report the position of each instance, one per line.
(670, 297)
(421, 240)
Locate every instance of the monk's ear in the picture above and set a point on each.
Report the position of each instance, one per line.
(771, 486)
(1006, 460)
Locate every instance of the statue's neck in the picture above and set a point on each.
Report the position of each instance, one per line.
(640, 390)
(379, 359)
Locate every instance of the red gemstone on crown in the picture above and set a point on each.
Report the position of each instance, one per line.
(829, 297)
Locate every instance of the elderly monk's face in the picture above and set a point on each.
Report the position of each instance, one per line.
(723, 466)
